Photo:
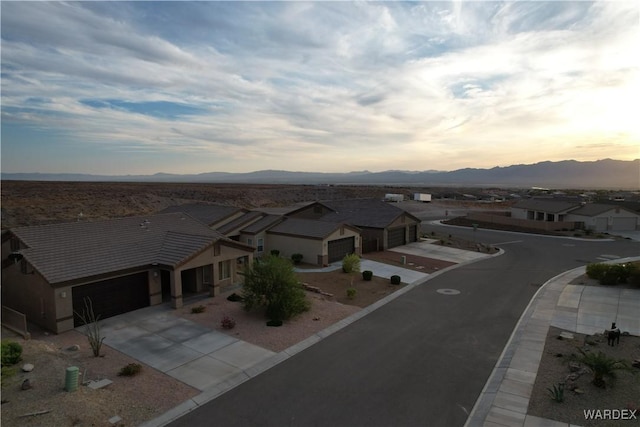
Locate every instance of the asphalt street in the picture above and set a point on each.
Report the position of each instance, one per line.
(422, 359)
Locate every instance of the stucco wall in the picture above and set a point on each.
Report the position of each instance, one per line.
(288, 245)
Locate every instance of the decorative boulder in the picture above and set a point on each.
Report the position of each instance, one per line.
(27, 367)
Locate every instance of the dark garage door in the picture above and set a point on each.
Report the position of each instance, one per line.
(341, 247)
(395, 238)
(112, 297)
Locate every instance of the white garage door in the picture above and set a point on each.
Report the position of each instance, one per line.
(624, 224)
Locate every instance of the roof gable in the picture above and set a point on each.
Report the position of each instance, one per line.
(307, 228)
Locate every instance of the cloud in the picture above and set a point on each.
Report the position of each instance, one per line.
(329, 86)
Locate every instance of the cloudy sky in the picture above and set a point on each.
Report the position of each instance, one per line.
(191, 87)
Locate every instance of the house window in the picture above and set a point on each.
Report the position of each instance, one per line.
(250, 242)
(206, 274)
(224, 269)
(260, 247)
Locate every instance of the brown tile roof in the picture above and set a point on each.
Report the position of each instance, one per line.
(372, 213)
(308, 228)
(595, 209)
(246, 219)
(70, 251)
(262, 224)
(208, 214)
(546, 205)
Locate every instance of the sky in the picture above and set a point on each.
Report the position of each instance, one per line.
(191, 87)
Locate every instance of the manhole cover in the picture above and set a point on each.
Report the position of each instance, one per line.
(448, 291)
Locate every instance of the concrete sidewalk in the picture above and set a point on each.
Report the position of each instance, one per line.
(583, 309)
(426, 248)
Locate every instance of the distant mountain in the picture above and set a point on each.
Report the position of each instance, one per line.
(605, 174)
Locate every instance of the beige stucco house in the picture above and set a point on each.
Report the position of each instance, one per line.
(121, 264)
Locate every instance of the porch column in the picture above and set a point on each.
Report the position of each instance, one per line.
(176, 289)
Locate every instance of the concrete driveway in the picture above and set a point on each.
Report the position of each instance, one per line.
(196, 355)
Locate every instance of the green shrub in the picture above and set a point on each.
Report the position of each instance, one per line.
(367, 275)
(7, 372)
(198, 309)
(275, 252)
(297, 258)
(597, 270)
(272, 284)
(351, 263)
(610, 278)
(130, 370)
(351, 293)
(11, 352)
(395, 280)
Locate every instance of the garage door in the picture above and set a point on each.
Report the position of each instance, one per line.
(395, 238)
(413, 233)
(341, 247)
(623, 224)
(112, 297)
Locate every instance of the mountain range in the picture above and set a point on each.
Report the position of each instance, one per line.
(599, 174)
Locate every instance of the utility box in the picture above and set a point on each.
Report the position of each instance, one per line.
(422, 197)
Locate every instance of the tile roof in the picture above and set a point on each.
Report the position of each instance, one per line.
(595, 209)
(305, 228)
(363, 212)
(208, 214)
(262, 224)
(246, 219)
(546, 205)
(69, 251)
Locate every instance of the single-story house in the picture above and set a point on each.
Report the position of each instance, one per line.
(320, 242)
(602, 217)
(382, 225)
(120, 264)
(574, 214)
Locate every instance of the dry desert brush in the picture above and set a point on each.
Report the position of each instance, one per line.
(92, 327)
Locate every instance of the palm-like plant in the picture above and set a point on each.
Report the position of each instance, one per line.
(601, 365)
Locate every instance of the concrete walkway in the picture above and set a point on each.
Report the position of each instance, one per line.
(426, 248)
(584, 309)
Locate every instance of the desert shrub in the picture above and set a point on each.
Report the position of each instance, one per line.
(11, 352)
(272, 284)
(227, 322)
(395, 280)
(597, 270)
(198, 309)
(351, 293)
(610, 278)
(275, 252)
(297, 258)
(351, 263)
(92, 327)
(600, 365)
(557, 392)
(130, 370)
(367, 275)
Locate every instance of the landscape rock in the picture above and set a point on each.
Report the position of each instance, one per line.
(74, 347)
(574, 367)
(27, 367)
(636, 363)
(26, 384)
